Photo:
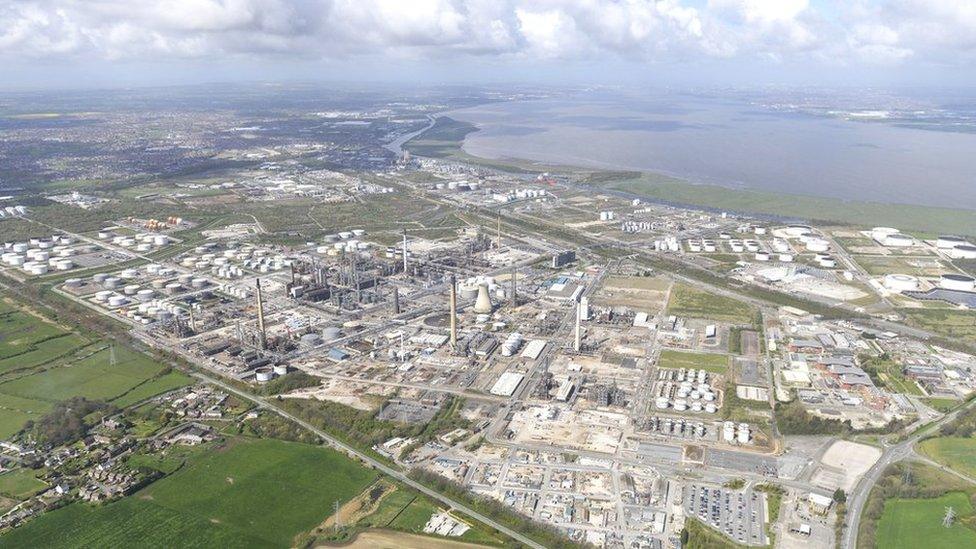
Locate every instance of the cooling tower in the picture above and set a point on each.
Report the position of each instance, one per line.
(482, 305)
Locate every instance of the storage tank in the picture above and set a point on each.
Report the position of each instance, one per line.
(963, 252)
(900, 283)
(72, 282)
(661, 403)
(958, 282)
(117, 301)
(263, 375)
(817, 245)
(947, 242)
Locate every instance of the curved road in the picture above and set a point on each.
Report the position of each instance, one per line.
(891, 454)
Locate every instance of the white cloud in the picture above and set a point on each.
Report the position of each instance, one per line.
(863, 31)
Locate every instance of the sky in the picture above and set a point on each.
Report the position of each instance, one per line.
(90, 43)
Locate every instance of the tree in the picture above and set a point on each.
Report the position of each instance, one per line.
(840, 496)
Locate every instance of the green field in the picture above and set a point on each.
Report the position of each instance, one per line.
(942, 404)
(954, 452)
(153, 387)
(42, 353)
(252, 493)
(952, 323)
(45, 364)
(913, 523)
(709, 362)
(20, 484)
(866, 214)
(916, 266)
(20, 331)
(694, 303)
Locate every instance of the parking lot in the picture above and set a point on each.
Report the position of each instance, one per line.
(740, 515)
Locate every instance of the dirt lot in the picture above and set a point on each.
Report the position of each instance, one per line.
(386, 539)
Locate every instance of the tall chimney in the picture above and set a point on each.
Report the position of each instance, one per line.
(453, 312)
(261, 334)
(404, 252)
(514, 286)
(577, 340)
(396, 300)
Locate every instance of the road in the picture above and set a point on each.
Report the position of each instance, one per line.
(891, 454)
(376, 464)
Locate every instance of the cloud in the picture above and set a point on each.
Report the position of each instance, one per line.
(880, 32)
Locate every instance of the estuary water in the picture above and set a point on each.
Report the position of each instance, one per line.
(733, 144)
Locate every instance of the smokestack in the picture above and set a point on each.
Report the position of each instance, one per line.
(263, 340)
(396, 300)
(578, 339)
(404, 252)
(498, 230)
(292, 274)
(453, 312)
(514, 286)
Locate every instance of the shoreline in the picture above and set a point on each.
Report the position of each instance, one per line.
(445, 138)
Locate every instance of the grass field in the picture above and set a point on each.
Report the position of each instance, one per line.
(916, 266)
(866, 214)
(694, 303)
(952, 323)
(715, 363)
(954, 452)
(20, 484)
(153, 387)
(252, 493)
(912, 523)
(93, 377)
(942, 404)
(43, 352)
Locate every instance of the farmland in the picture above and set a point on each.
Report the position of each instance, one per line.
(910, 523)
(948, 322)
(701, 361)
(44, 363)
(955, 452)
(693, 303)
(254, 493)
(20, 484)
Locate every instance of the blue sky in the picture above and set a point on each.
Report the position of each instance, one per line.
(69, 43)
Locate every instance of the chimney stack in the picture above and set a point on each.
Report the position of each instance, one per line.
(453, 312)
(577, 342)
(261, 334)
(396, 300)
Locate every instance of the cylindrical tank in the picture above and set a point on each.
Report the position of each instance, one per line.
(263, 375)
(958, 282)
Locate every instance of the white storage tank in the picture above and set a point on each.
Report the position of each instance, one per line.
(263, 375)
(900, 283)
(958, 282)
(947, 242)
(117, 301)
(964, 251)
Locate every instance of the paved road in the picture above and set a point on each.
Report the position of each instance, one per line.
(385, 469)
(891, 454)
